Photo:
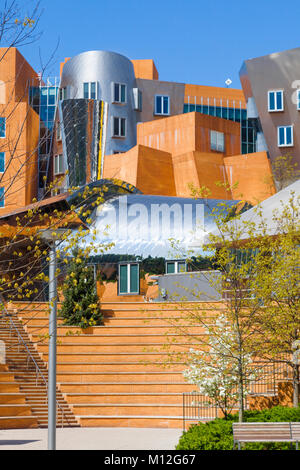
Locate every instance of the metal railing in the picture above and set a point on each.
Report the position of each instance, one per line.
(197, 407)
(268, 376)
(38, 371)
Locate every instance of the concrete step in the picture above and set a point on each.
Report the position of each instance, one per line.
(126, 387)
(124, 398)
(131, 421)
(9, 387)
(130, 321)
(11, 398)
(119, 377)
(159, 306)
(115, 347)
(122, 357)
(126, 409)
(117, 330)
(18, 422)
(124, 338)
(7, 377)
(11, 409)
(116, 367)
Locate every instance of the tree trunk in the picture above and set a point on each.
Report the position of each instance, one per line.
(295, 385)
(241, 394)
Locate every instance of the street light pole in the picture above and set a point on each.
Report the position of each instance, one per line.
(52, 348)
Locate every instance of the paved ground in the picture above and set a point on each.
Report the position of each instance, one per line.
(91, 439)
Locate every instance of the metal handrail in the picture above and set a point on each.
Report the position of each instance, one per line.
(37, 369)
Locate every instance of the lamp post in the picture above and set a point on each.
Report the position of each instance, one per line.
(51, 238)
(52, 348)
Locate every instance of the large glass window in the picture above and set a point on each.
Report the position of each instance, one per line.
(119, 127)
(90, 90)
(2, 190)
(2, 127)
(217, 141)
(275, 100)
(162, 105)
(119, 93)
(285, 136)
(2, 162)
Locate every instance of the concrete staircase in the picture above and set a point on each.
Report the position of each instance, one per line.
(15, 413)
(119, 374)
(22, 378)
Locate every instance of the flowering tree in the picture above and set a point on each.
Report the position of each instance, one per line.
(277, 285)
(216, 372)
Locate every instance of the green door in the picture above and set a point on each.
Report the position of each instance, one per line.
(134, 279)
(129, 278)
(123, 279)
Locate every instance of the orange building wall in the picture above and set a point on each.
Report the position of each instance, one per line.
(32, 139)
(201, 170)
(148, 169)
(216, 95)
(22, 130)
(145, 68)
(187, 133)
(253, 174)
(155, 173)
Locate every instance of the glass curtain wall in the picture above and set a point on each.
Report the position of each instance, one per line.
(43, 99)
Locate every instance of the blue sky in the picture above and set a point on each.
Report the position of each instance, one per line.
(191, 41)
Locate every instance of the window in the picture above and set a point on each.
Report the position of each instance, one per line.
(129, 278)
(275, 100)
(285, 136)
(137, 99)
(58, 131)
(175, 267)
(217, 141)
(2, 127)
(58, 164)
(119, 127)
(62, 93)
(90, 91)
(119, 93)
(162, 105)
(298, 100)
(2, 162)
(1, 197)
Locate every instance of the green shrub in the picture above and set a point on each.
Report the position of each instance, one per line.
(80, 306)
(217, 434)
